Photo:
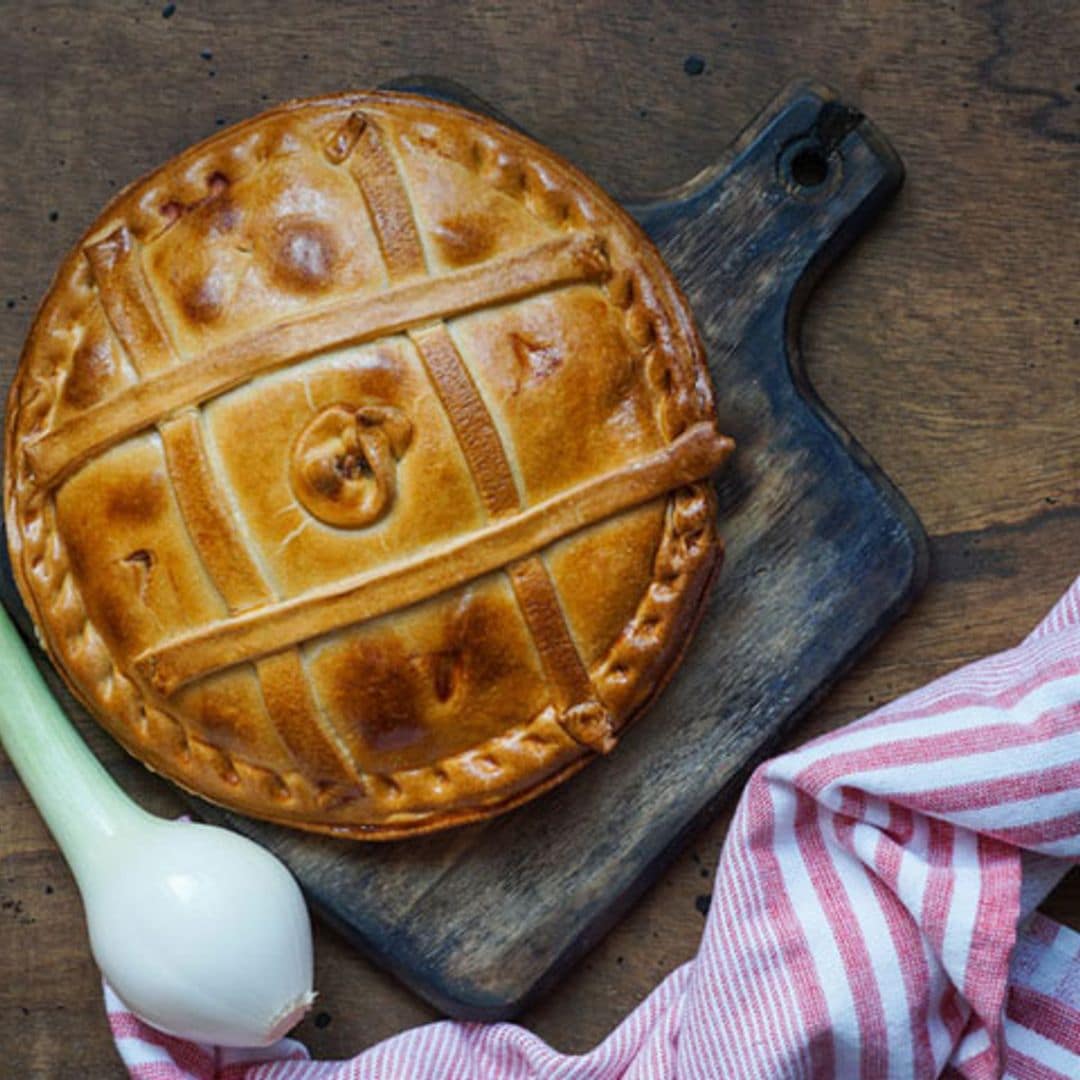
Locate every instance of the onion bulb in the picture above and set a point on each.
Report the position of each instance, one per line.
(202, 933)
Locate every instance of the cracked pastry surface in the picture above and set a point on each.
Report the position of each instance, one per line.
(357, 468)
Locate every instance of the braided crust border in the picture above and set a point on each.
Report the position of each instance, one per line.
(521, 762)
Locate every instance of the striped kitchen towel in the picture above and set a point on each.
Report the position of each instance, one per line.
(871, 914)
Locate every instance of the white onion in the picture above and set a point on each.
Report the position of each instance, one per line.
(200, 932)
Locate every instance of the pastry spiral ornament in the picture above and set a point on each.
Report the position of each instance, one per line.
(344, 464)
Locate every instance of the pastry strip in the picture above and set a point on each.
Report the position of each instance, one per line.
(211, 527)
(376, 174)
(129, 302)
(60, 452)
(483, 449)
(691, 457)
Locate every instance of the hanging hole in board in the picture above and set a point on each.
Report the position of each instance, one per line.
(808, 170)
(809, 167)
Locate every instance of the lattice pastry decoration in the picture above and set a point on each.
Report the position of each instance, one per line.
(357, 468)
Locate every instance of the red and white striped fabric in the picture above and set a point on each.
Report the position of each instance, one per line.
(870, 918)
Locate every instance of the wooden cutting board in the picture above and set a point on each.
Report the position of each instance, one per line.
(822, 555)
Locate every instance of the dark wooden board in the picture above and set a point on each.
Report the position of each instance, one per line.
(823, 554)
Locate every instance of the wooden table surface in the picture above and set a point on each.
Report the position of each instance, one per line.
(948, 341)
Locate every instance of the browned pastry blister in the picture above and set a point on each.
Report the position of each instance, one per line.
(357, 468)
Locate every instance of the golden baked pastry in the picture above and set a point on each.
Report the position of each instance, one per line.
(356, 468)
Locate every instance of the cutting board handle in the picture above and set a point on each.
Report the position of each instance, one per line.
(807, 154)
(749, 236)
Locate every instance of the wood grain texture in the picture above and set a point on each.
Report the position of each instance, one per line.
(948, 342)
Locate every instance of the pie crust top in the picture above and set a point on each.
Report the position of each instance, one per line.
(357, 465)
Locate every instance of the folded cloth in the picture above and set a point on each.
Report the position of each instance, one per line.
(870, 916)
